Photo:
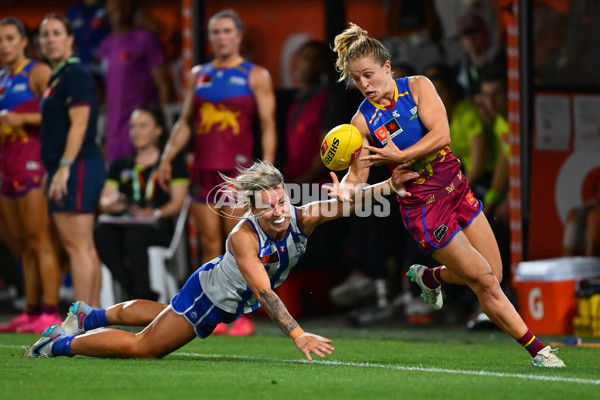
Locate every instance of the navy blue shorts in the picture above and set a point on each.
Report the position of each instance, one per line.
(83, 187)
(196, 307)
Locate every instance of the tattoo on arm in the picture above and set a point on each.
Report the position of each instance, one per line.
(276, 310)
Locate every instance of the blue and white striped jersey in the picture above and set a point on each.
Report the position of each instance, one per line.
(223, 282)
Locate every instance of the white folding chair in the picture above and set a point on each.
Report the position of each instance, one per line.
(162, 275)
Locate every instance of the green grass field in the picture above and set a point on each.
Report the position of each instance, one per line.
(397, 363)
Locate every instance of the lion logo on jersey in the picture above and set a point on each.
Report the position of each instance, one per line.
(11, 134)
(211, 116)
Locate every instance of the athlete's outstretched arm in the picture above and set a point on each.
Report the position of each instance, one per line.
(343, 204)
(244, 246)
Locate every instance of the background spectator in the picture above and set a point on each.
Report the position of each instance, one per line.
(131, 188)
(475, 41)
(90, 26)
(315, 110)
(70, 154)
(473, 141)
(135, 74)
(582, 226)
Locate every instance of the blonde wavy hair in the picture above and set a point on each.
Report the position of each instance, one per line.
(261, 175)
(353, 44)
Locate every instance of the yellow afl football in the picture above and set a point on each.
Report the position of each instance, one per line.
(341, 146)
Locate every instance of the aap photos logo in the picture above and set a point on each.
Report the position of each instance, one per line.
(228, 201)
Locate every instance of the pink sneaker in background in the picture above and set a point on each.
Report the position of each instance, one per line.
(242, 326)
(20, 320)
(220, 329)
(40, 324)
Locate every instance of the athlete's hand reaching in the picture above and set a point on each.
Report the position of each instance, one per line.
(336, 190)
(309, 343)
(402, 174)
(388, 154)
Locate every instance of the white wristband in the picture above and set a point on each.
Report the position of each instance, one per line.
(320, 338)
(157, 213)
(401, 192)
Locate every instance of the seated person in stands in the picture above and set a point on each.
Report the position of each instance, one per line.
(148, 210)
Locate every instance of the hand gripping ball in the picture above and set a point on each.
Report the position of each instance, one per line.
(341, 146)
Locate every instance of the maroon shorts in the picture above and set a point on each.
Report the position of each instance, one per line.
(202, 184)
(434, 223)
(20, 187)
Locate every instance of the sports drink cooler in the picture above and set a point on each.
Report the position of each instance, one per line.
(546, 292)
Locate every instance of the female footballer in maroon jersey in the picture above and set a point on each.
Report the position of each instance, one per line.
(22, 199)
(403, 121)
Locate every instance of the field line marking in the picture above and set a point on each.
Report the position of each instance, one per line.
(381, 366)
(401, 368)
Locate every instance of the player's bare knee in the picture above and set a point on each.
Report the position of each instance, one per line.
(499, 276)
(487, 285)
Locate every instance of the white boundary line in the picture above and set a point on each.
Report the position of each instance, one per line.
(402, 368)
(382, 366)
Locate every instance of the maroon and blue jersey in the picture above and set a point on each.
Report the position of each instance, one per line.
(20, 146)
(224, 109)
(401, 121)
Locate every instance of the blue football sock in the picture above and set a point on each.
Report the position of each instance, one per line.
(96, 319)
(62, 347)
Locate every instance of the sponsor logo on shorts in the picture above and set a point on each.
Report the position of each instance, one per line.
(471, 199)
(440, 232)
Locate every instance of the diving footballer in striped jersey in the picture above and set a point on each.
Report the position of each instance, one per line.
(261, 251)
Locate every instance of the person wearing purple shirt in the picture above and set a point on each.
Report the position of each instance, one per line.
(135, 74)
